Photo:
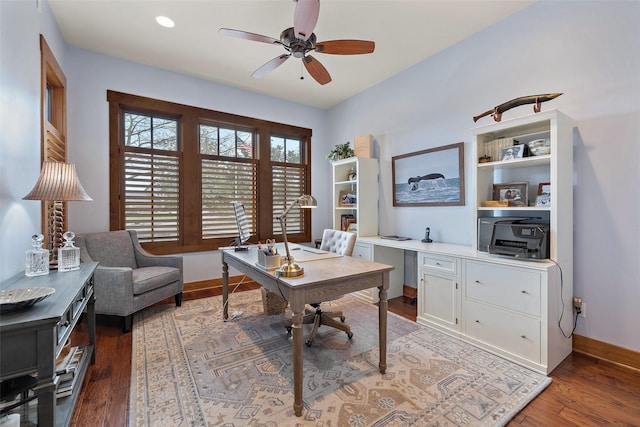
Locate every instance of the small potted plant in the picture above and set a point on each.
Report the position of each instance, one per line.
(341, 151)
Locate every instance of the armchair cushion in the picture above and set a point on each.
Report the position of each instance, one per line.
(146, 279)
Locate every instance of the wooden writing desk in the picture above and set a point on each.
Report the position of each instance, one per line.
(324, 277)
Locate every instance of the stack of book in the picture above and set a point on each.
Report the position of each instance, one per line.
(66, 370)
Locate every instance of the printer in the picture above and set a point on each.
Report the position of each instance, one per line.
(524, 238)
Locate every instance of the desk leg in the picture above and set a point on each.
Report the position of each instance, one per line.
(225, 290)
(298, 312)
(382, 326)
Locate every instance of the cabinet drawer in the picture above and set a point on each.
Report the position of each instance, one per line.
(364, 251)
(439, 263)
(516, 334)
(511, 288)
(63, 327)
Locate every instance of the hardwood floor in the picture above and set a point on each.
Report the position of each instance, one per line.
(584, 391)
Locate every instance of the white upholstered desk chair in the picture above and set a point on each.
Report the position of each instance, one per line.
(340, 242)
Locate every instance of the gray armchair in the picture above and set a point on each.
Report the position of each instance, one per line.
(128, 278)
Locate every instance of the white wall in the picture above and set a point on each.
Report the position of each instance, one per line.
(21, 23)
(590, 51)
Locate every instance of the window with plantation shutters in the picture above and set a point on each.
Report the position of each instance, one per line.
(176, 170)
(151, 177)
(229, 175)
(288, 181)
(152, 196)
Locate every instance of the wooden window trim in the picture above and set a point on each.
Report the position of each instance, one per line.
(190, 118)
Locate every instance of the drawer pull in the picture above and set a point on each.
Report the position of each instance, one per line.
(437, 263)
(523, 336)
(524, 292)
(477, 321)
(477, 281)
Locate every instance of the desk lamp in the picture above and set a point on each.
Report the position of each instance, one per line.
(291, 269)
(58, 182)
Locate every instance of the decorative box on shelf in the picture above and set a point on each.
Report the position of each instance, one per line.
(363, 145)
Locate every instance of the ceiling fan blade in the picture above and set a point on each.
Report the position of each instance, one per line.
(316, 70)
(248, 36)
(345, 47)
(305, 18)
(270, 66)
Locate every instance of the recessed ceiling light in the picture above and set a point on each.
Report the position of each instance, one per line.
(165, 22)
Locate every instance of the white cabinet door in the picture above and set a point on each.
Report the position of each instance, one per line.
(439, 292)
(438, 300)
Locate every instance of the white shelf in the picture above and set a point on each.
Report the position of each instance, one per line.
(533, 161)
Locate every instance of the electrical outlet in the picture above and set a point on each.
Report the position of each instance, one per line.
(583, 311)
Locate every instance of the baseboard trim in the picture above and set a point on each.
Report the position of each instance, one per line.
(211, 283)
(605, 351)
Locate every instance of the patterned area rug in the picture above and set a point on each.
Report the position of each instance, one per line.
(192, 369)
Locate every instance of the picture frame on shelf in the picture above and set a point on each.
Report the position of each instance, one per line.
(348, 198)
(516, 193)
(544, 188)
(351, 223)
(343, 221)
(432, 177)
(543, 198)
(512, 153)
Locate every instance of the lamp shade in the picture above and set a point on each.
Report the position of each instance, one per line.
(58, 181)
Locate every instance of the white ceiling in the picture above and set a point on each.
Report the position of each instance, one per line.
(405, 32)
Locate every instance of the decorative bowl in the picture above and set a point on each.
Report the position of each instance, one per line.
(17, 299)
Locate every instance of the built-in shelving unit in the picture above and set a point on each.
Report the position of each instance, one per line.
(516, 308)
(555, 168)
(363, 186)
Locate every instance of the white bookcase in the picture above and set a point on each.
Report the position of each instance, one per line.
(365, 188)
(555, 168)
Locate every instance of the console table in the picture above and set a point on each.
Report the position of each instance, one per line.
(32, 338)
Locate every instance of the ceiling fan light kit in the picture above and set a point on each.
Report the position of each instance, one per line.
(300, 39)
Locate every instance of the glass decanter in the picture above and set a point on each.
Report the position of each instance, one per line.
(68, 255)
(36, 258)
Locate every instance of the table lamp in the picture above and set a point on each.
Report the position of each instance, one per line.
(291, 269)
(58, 182)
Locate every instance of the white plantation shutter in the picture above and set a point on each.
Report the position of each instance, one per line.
(225, 182)
(288, 184)
(152, 195)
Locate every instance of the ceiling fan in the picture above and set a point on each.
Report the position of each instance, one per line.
(300, 39)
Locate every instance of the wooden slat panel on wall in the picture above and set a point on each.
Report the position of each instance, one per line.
(53, 121)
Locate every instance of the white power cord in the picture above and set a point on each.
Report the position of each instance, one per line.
(236, 313)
